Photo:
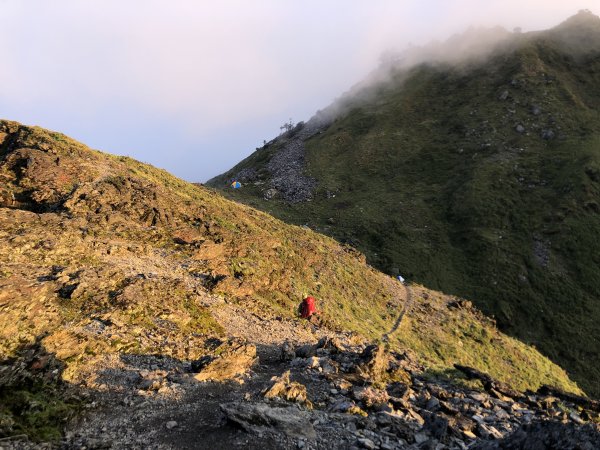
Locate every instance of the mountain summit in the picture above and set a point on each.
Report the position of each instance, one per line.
(478, 176)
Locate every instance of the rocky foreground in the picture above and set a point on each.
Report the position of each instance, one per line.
(333, 393)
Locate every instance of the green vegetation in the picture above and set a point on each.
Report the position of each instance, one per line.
(434, 178)
(33, 400)
(38, 410)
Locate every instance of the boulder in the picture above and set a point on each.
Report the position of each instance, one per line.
(306, 351)
(377, 365)
(287, 351)
(259, 417)
(270, 193)
(374, 363)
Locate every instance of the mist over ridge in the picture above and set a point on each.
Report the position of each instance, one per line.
(578, 35)
(195, 88)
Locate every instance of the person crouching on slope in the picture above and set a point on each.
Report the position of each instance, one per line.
(308, 307)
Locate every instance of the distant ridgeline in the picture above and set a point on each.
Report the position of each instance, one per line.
(478, 176)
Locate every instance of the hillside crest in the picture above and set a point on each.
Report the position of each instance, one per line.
(120, 281)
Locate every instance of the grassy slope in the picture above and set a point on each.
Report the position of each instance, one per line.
(431, 179)
(94, 237)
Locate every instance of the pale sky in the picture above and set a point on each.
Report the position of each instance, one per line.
(194, 86)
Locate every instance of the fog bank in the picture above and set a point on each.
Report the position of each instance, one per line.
(195, 86)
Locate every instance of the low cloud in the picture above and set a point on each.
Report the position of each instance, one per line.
(194, 70)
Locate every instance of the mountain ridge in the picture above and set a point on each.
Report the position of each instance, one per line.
(476, 178)
(118, 279)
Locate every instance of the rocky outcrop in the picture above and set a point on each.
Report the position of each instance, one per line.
(283, 388)
(229, 361)
(355, 406)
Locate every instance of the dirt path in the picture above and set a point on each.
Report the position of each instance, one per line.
(405, 309)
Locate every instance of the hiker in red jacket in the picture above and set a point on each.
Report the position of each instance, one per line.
(308, 307)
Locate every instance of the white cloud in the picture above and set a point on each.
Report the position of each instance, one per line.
(204, 67)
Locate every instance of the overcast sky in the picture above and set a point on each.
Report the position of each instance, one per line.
(194, 86)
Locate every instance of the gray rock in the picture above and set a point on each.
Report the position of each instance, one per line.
(478, 396)
(436, 425)
(259, 417)
(433, 404)
(488, 432)
(270, 194)
(287, 351)
(341, 406)
(520, 129)
(548, 134)
(502, 415)
(383, 419)
(298, 362)
(421, 437)
(478, 418)
(575, 418)
(306, 351)
(366, 443)
(171, 424)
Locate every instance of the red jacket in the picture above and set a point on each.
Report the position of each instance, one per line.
(307, 307)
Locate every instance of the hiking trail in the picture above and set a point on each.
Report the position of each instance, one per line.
(405, 309)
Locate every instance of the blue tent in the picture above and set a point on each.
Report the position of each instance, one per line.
(236, 185)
